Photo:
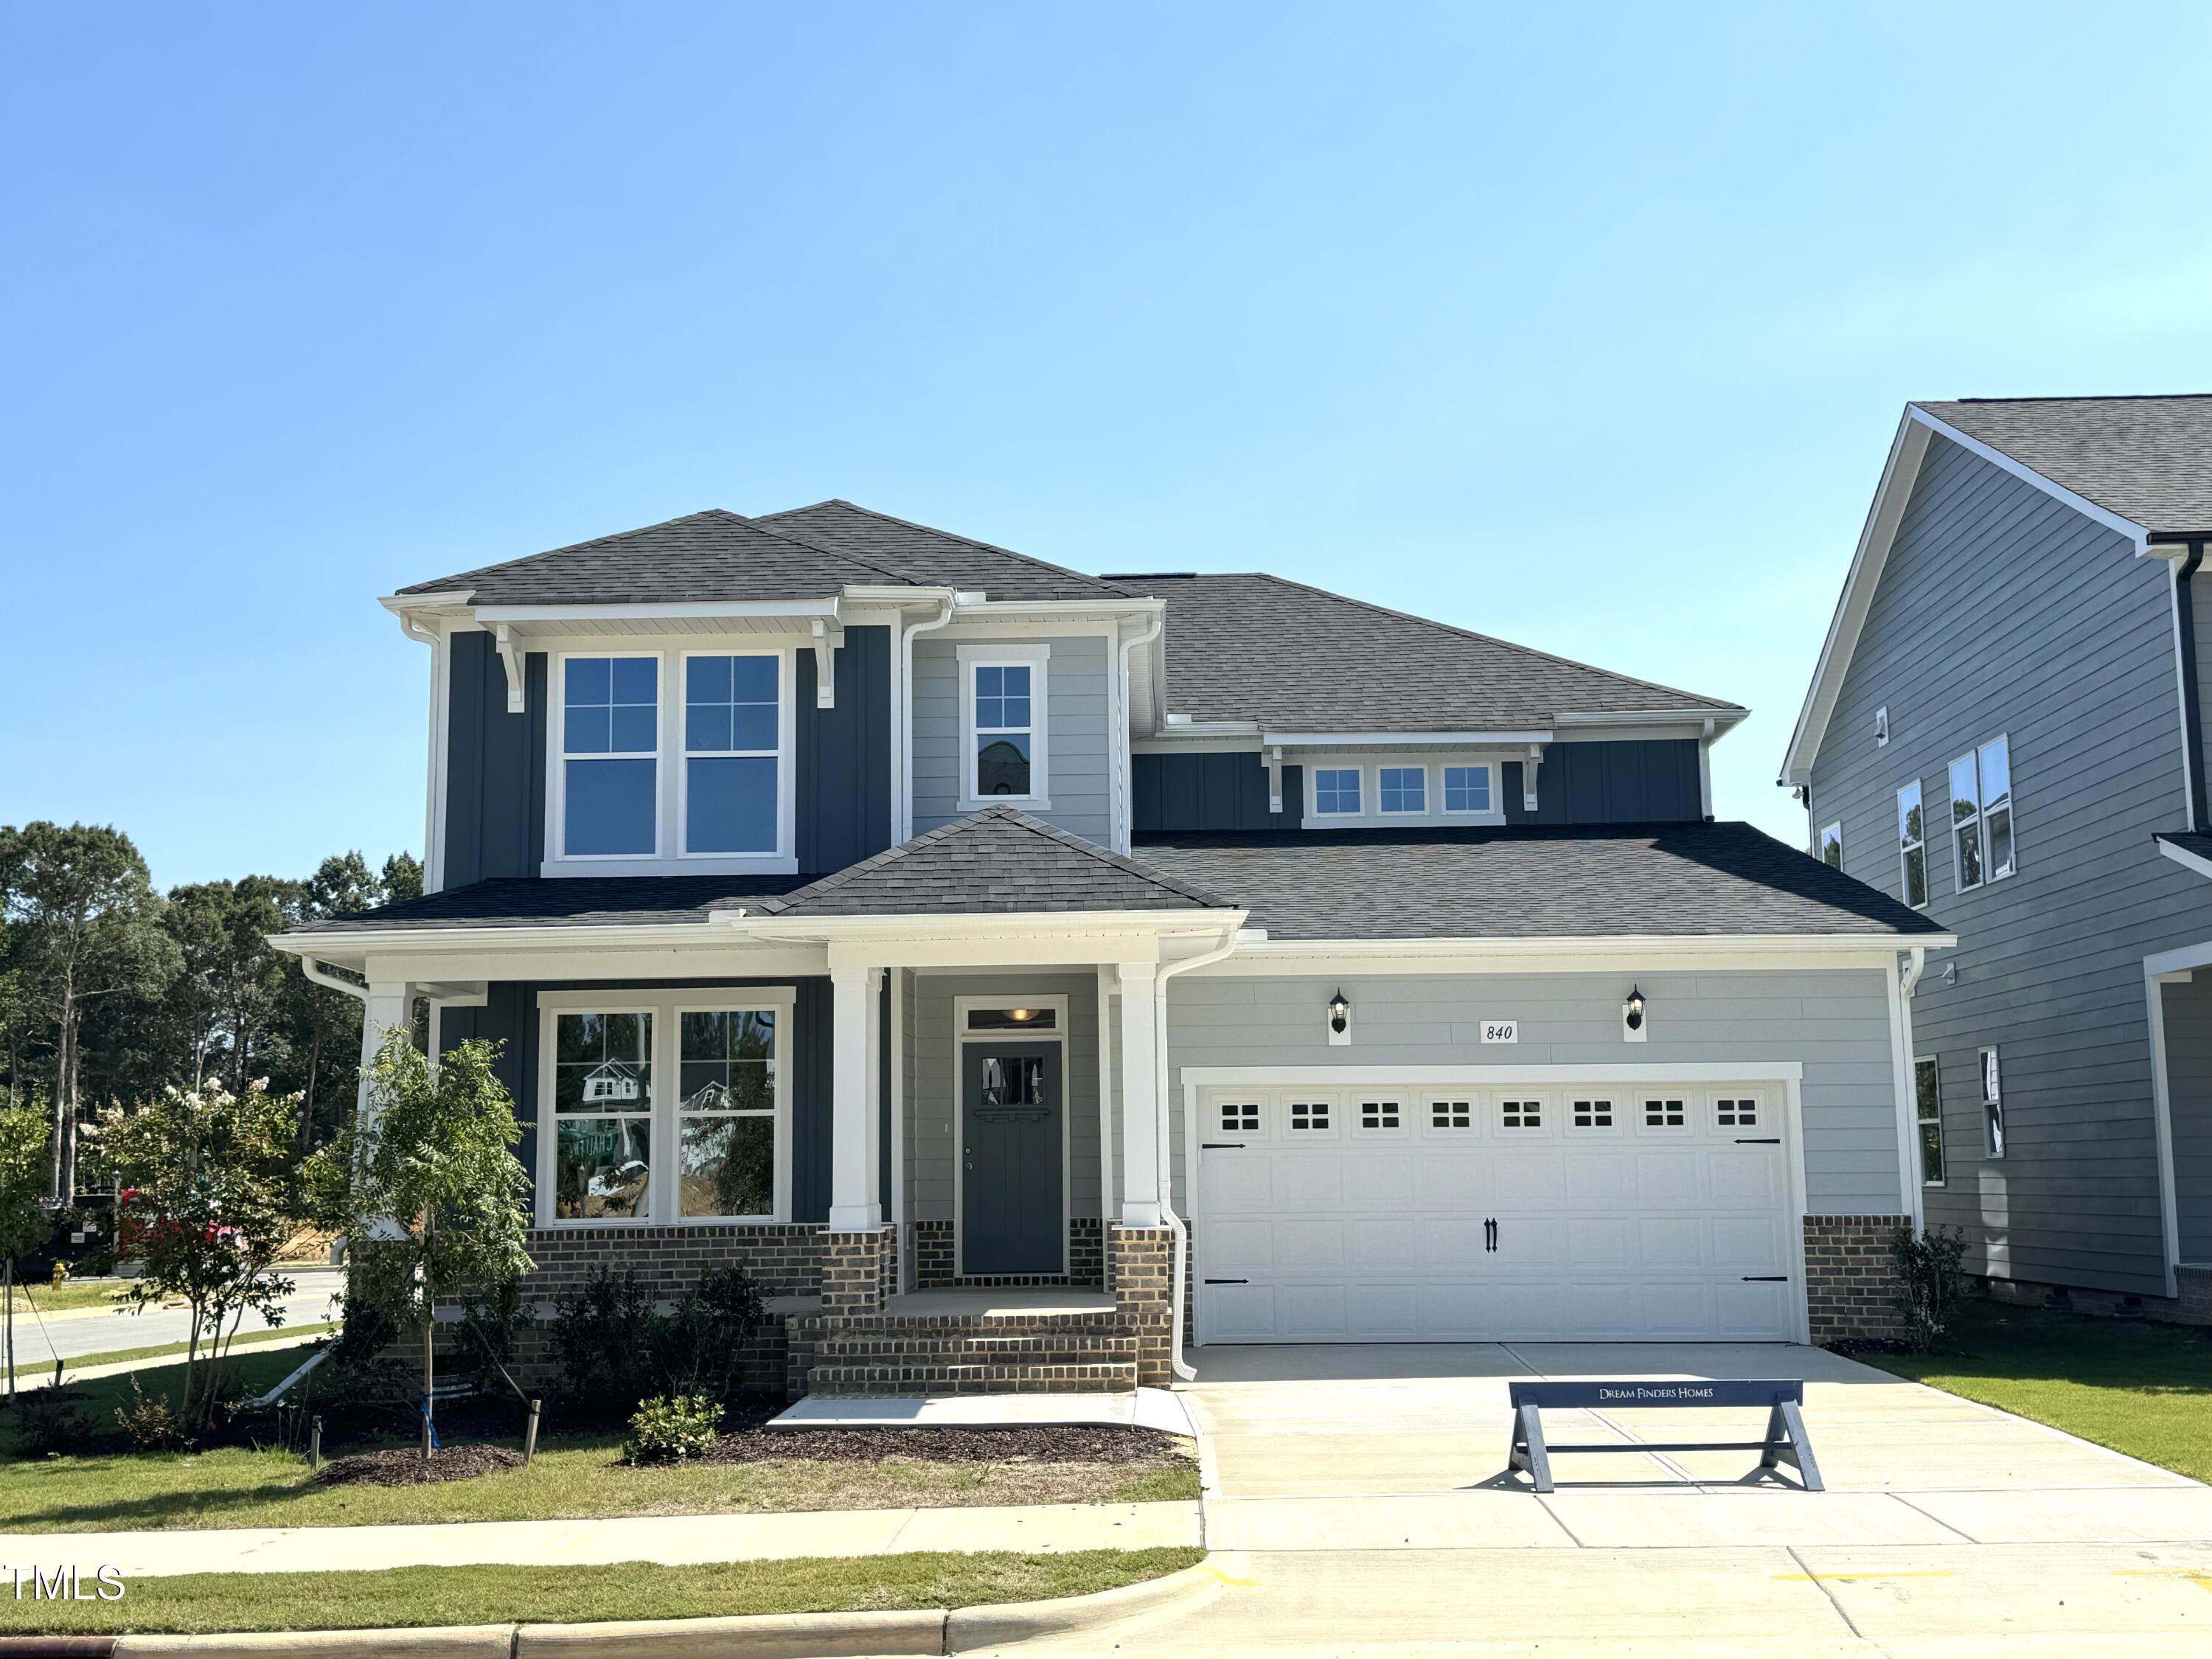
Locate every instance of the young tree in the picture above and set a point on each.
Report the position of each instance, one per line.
(25, 1224)
(208, 1173)
(87, 917)
(426, 1187)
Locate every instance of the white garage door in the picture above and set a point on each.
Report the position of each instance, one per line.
(1441, 1215)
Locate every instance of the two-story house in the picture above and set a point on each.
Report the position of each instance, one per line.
(2006, 732)
(910, 919)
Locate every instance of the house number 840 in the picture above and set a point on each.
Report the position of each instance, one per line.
(1501, 1030)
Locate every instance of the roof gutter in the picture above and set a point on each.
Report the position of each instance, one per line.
(1168, 971)
(322, 975)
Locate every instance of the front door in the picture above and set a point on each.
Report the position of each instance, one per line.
(1011, 1214)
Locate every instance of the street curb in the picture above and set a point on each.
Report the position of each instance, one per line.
(766, 1635)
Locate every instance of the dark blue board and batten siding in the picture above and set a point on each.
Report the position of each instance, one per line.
(2001, 610)
(496, 761)
(1625, 780)
(510, 1017)
(1181, 794)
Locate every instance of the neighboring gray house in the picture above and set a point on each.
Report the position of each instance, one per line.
(910, 918)
(2005, 730)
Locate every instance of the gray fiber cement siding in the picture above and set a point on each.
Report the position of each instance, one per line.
(2001, 610)
(1078, 765)
(1834, 1022)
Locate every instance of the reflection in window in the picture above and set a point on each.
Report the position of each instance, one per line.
(1004, 732)
(1016, 1080)
(725, 1113)
(603, 1116)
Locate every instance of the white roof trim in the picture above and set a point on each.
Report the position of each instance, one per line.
(2185, 859)
(1549, 944)
(1899, 474)
(1353, 739)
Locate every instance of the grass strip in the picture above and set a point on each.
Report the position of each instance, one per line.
(163, 1350)
(197, 1603)
(2138, 1388)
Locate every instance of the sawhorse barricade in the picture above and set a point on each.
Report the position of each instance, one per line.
(1785, 1441)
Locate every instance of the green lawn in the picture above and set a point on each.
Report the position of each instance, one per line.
(70, 1293)
(229, 1601)
(573, 1477)
(2138, 1388)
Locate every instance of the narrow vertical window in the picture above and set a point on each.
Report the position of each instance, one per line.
(603, 1116)
(1993, 1123)
(726, 1114)
(1966, 825)
(1466, 789)
(1928, 1112)
(610, 748)
(1831, 846)
(1996, 759)
(1981, 814)
(1404, 788)
(1336, 791)
(1912, 845)
(731, 732)
(1004, 738)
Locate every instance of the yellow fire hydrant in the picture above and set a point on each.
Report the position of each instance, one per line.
(61, 1271)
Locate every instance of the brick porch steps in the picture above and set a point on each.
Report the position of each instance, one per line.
(1029, 1376)
(996, 1352)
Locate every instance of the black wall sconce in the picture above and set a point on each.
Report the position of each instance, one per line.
(1339, 1019)
(1631, 1015)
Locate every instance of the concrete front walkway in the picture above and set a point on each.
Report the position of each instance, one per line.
(1354, 1503)
(679, 1540)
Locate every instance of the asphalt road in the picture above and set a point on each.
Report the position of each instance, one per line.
(73, 1336)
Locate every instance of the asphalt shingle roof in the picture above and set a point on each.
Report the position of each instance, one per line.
(567, 901)
(2148, 459)
(996, 861)
(1668, 880)
(936, 558)
(1298, 659)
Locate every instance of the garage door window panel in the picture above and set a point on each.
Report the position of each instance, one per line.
(1737, 1112)
(1525, 1115)
(1454, 1118)
(1597, 1115)
(1306, 1118)
(1382, 1117)
(1664, 1116)
(1247, 1118)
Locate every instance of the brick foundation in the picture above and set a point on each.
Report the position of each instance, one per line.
(2192, 1305)
(1850, 1282)
(859, 1270)
(935, 1267)
(1144, 1291)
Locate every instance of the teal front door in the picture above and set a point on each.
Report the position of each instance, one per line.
(1011, 1216)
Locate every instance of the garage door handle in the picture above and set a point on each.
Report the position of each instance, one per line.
(1220, 1146)
(1229, 1281)
(1766, 1279)
(1758, 1140)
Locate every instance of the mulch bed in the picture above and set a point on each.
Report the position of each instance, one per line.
(1852, 1346)
(403, 1467)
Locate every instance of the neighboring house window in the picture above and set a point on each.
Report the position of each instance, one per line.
(725, 1113)
(603, 1116)
(1404, 788)
(729, 734)
(610, 748)
(1336, 792)
(627, 1147)
(1466, 789)
(1002, 707)
(1981, 815)
(1993, 1123)
(1831, 846)
(1912, 845)
(1928, 1111)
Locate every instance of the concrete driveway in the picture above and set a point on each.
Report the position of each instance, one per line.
(1353, 1498)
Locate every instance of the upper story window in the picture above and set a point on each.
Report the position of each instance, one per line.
(1831, 846)
(1993, 1122)
(610, 749)
(1981, 815)
(1912, 845)
(1336, 792)
(1466, 789)
(731, 728)
(1002, 709)
(1404, 788)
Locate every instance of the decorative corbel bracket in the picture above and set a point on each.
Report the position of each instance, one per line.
(829, 636)
(1528, 776)
(1274, 761)
(518, 685)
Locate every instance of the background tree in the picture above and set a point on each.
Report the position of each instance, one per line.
(83, 921)
(26, 1225)
(232, 981)
(425, 1185)
(209, 1174)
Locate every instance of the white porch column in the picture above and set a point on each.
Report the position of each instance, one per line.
(385, 1007)
(856, 1200)
(1142, 1178)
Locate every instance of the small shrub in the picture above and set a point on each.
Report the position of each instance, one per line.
(50, 1422)
(669, 1428)
(151, 1422)
(602, 1338)
(1930, 1285)
(699, 1346)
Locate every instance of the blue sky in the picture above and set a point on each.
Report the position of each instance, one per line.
(1586, 326)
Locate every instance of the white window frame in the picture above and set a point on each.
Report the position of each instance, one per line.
(1360, 787)
(1992, 1091)
(1920, 1123)
(1829, 832)
(1037, 660)
(1493, 813)
(782, 754)
(1906, 849)
(1977, 820)
(557, 831)
(664, 1109)
(671, 798)
(1420, 811)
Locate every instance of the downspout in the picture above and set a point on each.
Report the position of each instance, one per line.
(1124, 775)
(2192, 714)
(904, 830)
(1168, 970)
